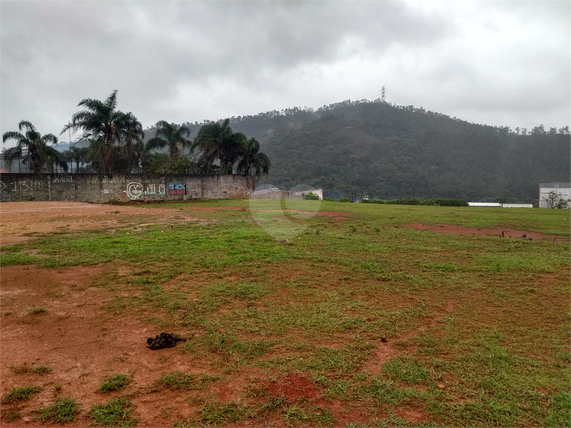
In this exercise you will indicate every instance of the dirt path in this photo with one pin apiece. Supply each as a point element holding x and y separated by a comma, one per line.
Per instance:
<point>21,221</point>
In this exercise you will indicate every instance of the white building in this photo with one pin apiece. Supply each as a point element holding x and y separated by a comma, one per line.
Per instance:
<point>563,190</point>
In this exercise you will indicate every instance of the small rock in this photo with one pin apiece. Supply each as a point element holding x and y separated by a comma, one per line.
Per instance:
<point>26,418</point>
<point>441,386</point>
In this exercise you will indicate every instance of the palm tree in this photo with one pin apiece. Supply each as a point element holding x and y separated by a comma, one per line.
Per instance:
<point>216,141</point>
<point>132,133</point>
<point>171,135</point>
<point>33,148</point>
<point>108,127</point>
<point>252,163</point>
<point>77,155</point>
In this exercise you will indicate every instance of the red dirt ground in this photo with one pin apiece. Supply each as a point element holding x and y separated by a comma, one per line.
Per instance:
<point>84,343</point>
<point>507,233</point>
<point>21,221</point>
<point>292,386</point>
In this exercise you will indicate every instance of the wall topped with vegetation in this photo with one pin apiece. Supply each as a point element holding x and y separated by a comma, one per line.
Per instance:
<point>101,188</point>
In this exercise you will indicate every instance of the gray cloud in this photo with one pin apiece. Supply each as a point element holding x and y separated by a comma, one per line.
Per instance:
<point>194,60</point>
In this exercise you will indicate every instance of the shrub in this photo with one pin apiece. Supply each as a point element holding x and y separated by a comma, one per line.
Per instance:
<point>344,200</point>
<point>428,202</point>
<point>311,197</point>
<point>454,202</point>
<point>413,201</point>
<point>329,199</point>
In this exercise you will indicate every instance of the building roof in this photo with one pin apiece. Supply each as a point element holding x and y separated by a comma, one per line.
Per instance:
<point>555,184</point>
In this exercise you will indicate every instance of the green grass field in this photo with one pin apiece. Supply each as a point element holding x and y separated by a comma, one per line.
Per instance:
<point>385,321</point>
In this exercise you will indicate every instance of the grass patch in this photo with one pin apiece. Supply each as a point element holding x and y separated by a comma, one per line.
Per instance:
<point>42,370</point>
<point>316,416</point>
<point>184,381</point>
<point>25,369</point>
<point>64,410</point>
<point>485,316</point>
<point>19,394</point>
<point>114,383</point>
<point>406,369</point>
<point>37,311</point>
<point>223,413</point>
<point>117,412</point>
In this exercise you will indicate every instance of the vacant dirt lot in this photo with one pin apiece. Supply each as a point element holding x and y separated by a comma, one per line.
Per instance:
<point>20,221</point>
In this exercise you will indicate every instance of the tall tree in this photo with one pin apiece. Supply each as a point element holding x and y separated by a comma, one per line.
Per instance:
<point>77,155</point>
<point>217,141</point>
<point>33,148</point>
<point>172,136</point>
<point>132,134</point>
<point>108,128</point>
<point>252,162</point>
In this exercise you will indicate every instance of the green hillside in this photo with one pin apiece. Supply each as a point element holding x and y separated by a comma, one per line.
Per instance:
<point>387,151</point>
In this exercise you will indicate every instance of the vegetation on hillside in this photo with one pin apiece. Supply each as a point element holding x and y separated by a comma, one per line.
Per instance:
<point>383,151</point>
<point>354,149</point>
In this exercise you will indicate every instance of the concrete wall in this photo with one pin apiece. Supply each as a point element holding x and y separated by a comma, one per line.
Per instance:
<point>100,188</point>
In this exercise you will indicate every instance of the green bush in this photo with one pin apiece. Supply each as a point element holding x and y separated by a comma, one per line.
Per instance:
<point>413,201</point>
<point>454,202</point>
<point>344,200</point>
<point>311,197</point>
<point>428,202</point>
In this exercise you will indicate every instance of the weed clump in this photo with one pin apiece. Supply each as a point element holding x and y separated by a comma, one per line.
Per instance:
<point>116,413</point>
<point>19,394</point>
<point>184,381</point>
<point>64,410</point>
<point>114,383</point>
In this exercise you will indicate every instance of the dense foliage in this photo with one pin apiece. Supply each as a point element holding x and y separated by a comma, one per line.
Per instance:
<point>384,151</point>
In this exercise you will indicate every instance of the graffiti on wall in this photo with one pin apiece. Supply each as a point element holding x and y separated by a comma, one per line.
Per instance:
<point>22,185</point>
<point>153,189</point>
<point>134,190</point>
<point>63,178</point>
<point>177,189</point>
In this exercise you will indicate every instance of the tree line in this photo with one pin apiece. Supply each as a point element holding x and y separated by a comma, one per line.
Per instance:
<point>116,144</point>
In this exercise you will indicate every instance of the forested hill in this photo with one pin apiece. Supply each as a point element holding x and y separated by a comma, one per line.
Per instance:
<point>386,151</point>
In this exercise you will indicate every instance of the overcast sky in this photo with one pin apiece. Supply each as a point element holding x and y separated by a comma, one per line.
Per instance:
<point>498,63</point>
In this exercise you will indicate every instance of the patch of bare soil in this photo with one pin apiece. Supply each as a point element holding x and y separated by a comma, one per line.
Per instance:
<point>21,221</point>
<point>291,387</point>
<point>193,208</point>
<point>503,232</point>
<point>83,344</point>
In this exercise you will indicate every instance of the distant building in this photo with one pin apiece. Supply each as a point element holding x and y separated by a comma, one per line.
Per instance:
<point>498,205</point>
<point>563,190</point>
<point>275,193</point>
<point>484,204</point>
